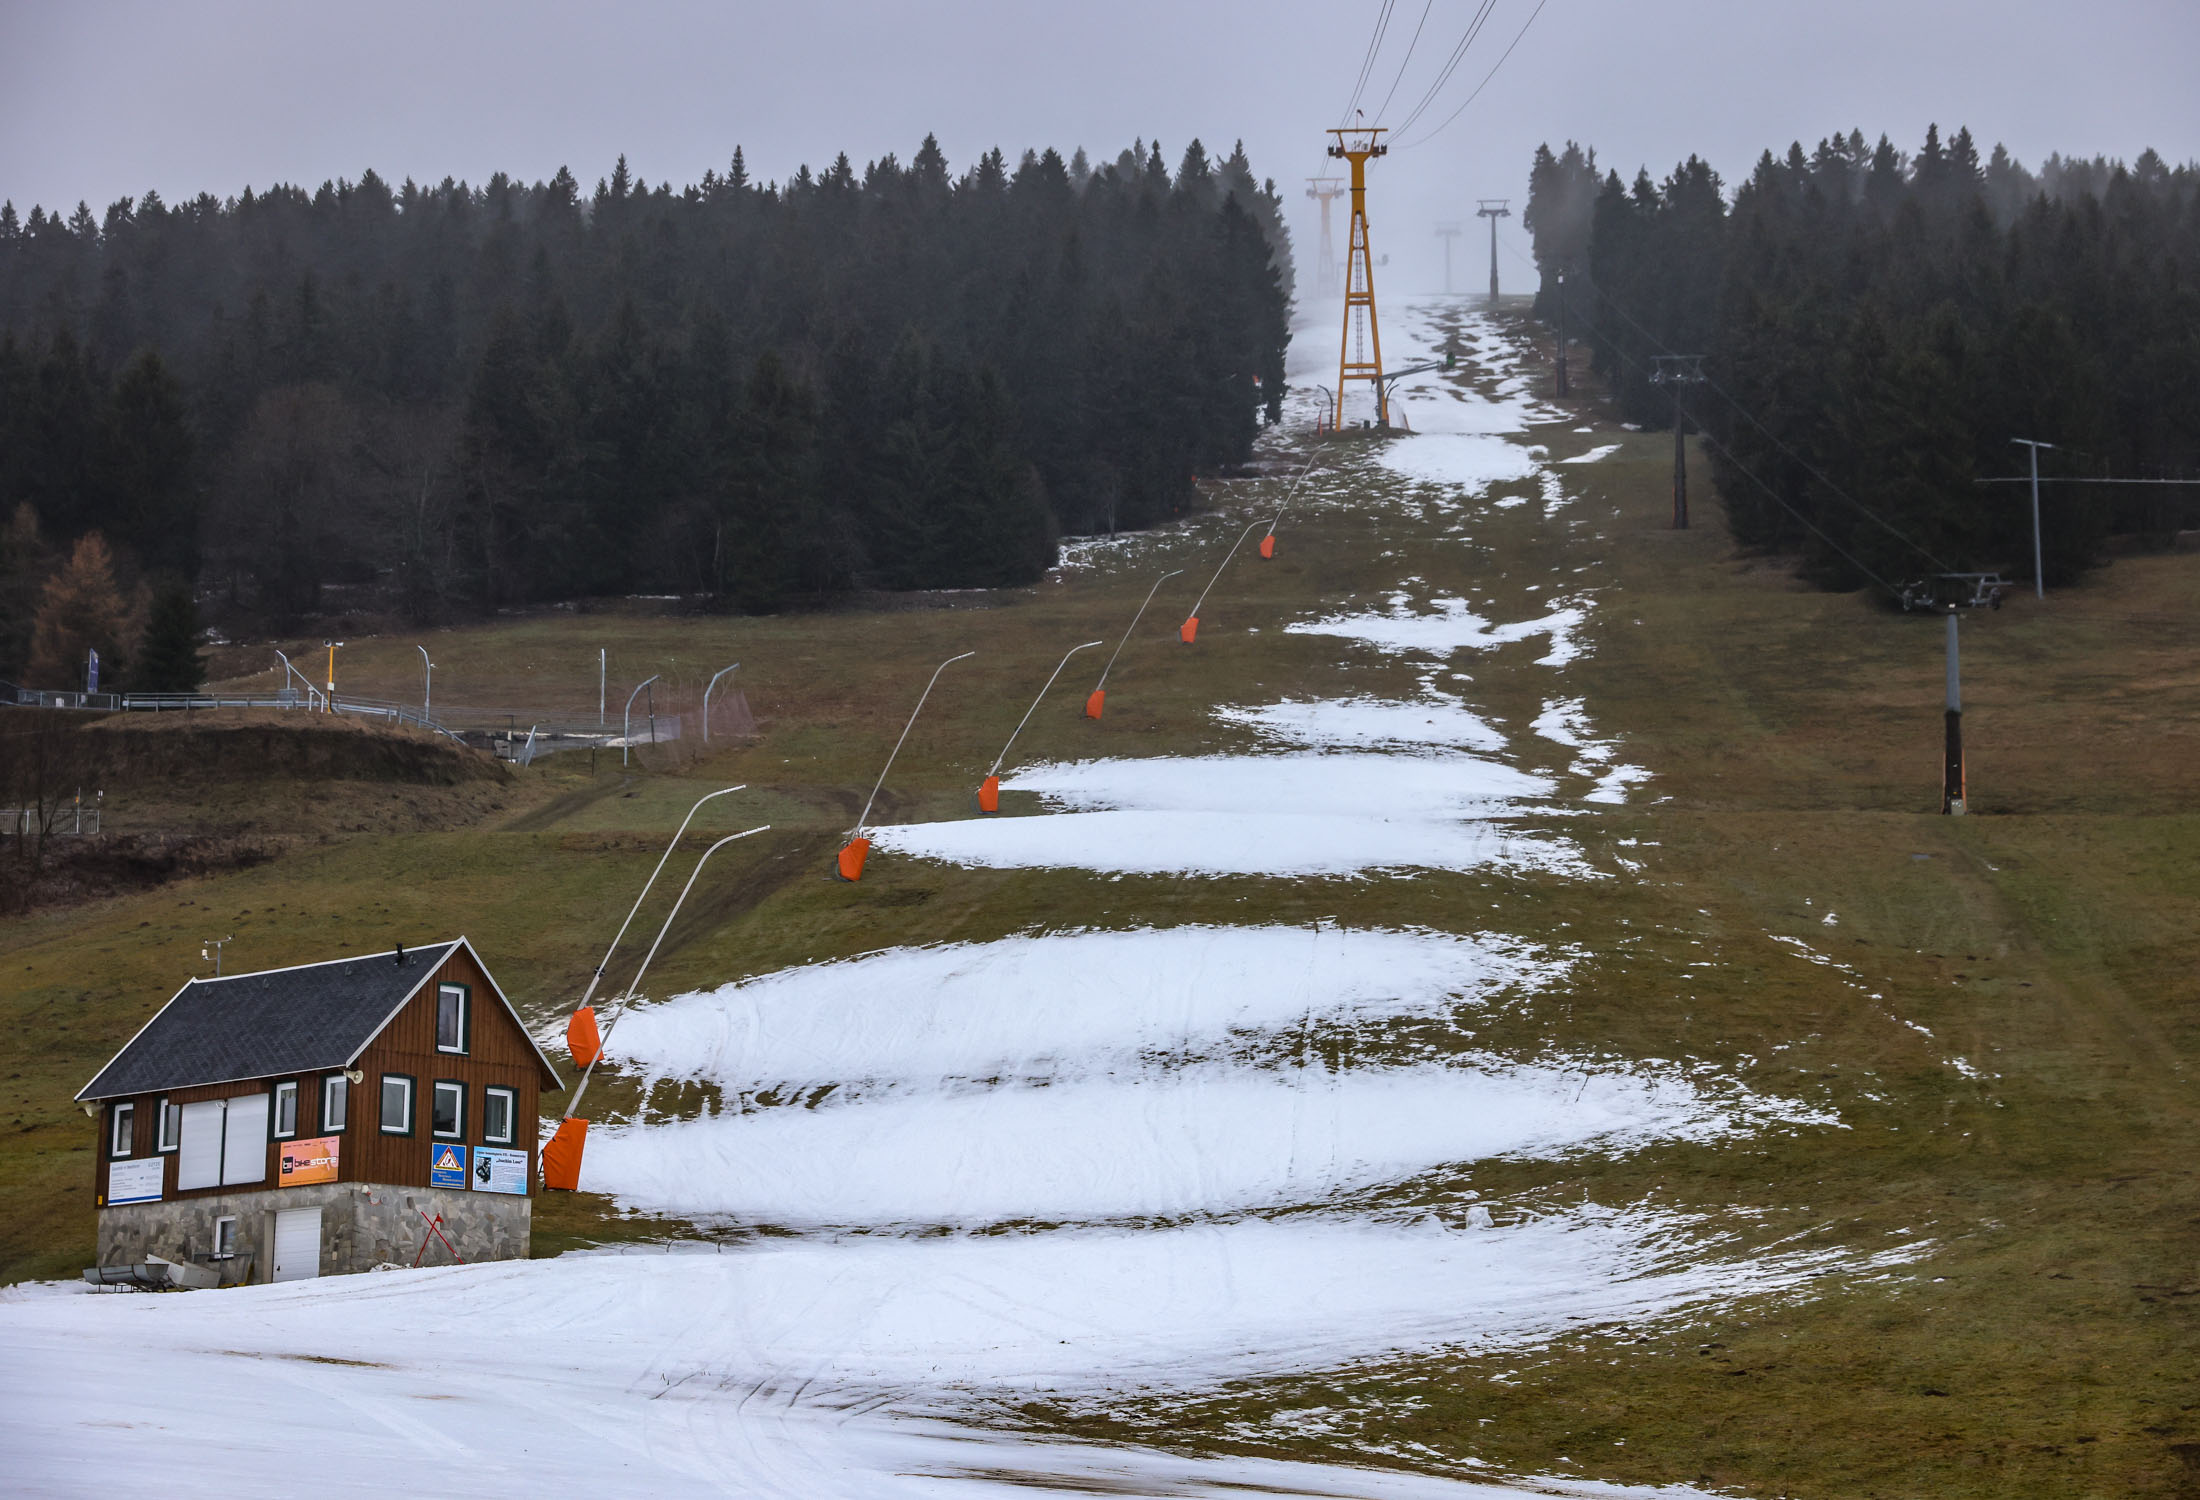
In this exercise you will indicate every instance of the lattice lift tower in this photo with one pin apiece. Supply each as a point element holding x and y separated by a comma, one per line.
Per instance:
<point>1356,144</point>
<point>1493,209</point>
<point>1325,191</point>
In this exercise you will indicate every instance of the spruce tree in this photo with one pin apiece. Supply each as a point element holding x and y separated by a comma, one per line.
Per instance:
<point>169,661</point>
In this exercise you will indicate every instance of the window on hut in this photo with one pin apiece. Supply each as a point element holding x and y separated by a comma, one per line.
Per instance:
<point>450,1018</point>
<point>498,1109</point>
<point>449,1111</point>
<point>397,1104</point>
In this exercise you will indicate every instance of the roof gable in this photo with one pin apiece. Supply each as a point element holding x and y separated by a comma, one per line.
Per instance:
<point>305,1019</point>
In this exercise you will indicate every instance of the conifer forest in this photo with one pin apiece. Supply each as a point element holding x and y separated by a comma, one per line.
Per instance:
<point>1878,326</point>
<point>458,398</point>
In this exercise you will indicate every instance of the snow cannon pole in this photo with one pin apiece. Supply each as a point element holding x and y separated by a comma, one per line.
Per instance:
<point>1190,627</point>
<point>561,1156</point>
<point>1099,696</point>
<point>850,863</point>
<point>1268,542</point>
<point>583,1032</point>
<point>989,792</point>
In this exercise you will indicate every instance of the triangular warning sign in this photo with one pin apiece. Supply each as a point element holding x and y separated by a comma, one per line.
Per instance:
<point>446,1160</point>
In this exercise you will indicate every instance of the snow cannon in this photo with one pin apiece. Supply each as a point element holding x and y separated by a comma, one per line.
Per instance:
<point>989,794</point>
<point>561,1156</point>
<point>1268,546</point>
<point>582,1038</point>
<point>852,857</point>
<point>1189,630</point>
<point>1096,702</point>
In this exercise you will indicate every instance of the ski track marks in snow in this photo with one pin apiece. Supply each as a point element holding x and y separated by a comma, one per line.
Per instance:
<point>811,1369</point>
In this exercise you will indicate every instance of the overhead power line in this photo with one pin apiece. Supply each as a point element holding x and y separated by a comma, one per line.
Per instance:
<point>1451,63</point>
<point>1485,83</point>
<point>1374,45</point>
<point>1401,78</point>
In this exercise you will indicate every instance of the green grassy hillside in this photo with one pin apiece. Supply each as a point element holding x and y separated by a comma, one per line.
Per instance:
<point>1781,900</point>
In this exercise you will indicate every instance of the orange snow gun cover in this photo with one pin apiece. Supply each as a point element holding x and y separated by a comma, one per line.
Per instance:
<point>989,794</point>
<point>561,1158</point>
<point>1189,629</point>
<point>852,857</point>
<point>581,1037</point>
<point>1268,545</point>
<point>1096,702</point>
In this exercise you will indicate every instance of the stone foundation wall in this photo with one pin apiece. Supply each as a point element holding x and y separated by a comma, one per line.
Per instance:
<point>363,1225</point>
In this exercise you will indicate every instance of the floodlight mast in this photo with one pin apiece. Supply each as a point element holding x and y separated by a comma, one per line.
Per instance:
<point>1355,144</point>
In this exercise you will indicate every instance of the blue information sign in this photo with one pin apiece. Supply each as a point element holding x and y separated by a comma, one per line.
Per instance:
<point>446,1165</point>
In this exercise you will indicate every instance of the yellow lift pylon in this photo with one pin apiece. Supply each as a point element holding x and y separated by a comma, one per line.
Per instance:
<point>1356,144</point>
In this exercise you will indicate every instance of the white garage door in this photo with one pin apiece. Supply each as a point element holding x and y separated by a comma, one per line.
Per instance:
<point>297,1244</point>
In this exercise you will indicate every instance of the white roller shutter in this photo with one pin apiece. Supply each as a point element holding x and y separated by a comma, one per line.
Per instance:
<point>297,1244</point>
<point>199,1155</point>
<point>244,1141</point>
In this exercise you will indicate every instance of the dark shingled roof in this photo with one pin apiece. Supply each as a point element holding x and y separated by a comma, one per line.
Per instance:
<point>314,1017</point>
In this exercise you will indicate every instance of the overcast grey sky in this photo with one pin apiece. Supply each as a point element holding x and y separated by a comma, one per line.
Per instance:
<point>102,99</point>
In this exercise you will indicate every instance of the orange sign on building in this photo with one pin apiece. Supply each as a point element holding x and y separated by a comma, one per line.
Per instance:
<point>309,1161</point>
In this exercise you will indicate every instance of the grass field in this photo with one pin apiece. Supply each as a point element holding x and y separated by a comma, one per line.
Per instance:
<point>2003,1009</point>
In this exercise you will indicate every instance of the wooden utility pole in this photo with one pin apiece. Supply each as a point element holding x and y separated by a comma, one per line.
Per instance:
<point>1951,769</point>
<point>1493,209</point>
<point>1678,371</point>
<point>1562,389</point>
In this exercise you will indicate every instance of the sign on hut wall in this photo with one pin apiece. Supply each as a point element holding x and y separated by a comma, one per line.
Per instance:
<point>304,1162</point>
<point>135,1181</point>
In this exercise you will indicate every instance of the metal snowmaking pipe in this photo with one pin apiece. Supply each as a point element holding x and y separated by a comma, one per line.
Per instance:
<point>1268,542</point>
<point>1190,627</point>
<point>989,791</point>
<point>581,1038</point>
<point>1099,696</point>
<point>561,1158</point>
<point>853,852</point>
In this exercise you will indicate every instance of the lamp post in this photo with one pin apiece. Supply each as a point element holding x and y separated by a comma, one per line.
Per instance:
<point>713,687</point>
<point>427,690</point>
<point>626,723</point>
<point>312,692</point>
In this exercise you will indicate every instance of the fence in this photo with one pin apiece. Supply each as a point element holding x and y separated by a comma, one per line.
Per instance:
<point>65,821</point>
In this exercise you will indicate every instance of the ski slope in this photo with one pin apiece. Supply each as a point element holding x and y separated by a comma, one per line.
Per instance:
<point>1068,1166</point>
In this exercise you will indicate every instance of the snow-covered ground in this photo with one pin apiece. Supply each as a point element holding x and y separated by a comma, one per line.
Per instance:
<point>1066,1166</point>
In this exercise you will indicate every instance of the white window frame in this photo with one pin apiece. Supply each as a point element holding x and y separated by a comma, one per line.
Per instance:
<point>225,1238</point>
<point>405,1127</point>
<point>464,996</point>
<point>170,1134</point>
<point>511,1115</point>
<point>339,1085</point>
<point>287,1089</point>
<point>435,1094</point>
<point>121,1130</point>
